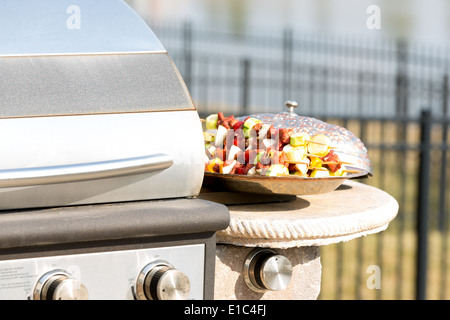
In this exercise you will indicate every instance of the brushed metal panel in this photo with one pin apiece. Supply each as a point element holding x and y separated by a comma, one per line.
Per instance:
<point>90,84</point>
<point>106,275</point>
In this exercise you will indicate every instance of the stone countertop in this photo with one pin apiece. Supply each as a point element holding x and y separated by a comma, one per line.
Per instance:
<point>351,211</point>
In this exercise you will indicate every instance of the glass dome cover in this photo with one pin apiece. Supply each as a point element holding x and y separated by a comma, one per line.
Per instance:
<point>345,144</point>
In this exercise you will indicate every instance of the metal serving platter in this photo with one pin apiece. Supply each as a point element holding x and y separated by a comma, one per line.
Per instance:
<point>347,146</point>
<point>300,186</point>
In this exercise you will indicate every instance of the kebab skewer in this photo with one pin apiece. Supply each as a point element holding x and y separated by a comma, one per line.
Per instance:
<point>251,147</point>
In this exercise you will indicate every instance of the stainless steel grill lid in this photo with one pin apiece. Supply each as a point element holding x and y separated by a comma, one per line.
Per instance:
<point>84,108</point>
<point>109,62</point>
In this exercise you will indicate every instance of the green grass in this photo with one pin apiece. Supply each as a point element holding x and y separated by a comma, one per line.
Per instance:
<point>344,265</point>
<point>397,268</point>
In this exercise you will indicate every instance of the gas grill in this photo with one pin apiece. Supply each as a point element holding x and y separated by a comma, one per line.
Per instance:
<point>102,160</point>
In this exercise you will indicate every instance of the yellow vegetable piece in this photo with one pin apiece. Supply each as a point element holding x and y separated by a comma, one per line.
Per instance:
<point>212,163</point>
<point>209,136</point>
<point>319,145</point>
<point>248,125</point>
<point>296,154</point>
<point>211,121</point>
<point>300,174</point>
<point>277,169</point>
<point>299,139</point>
<point>316,162</point>
<point>340,172</point>
<point>302,169</point>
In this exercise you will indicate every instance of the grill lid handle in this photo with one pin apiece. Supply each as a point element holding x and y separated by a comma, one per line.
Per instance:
<point>85,171</point>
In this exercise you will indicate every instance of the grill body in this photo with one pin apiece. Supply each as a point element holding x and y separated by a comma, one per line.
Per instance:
<point>101,159</point>
<point>106,246</point>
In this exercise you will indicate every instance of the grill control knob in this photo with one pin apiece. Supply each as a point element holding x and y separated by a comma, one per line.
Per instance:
<point>161,281</point>
<point>265,270</point>
<point>58,285</point>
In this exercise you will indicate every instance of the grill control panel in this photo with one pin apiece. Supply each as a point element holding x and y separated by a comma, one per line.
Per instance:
<point>148,274</point>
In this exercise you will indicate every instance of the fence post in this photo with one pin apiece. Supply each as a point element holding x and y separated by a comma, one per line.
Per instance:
<point>245,85</point>
<point>401,86</point>
<point>187,53</point>
<point>443,179</point>
<point>422,204</point>
<point>287,63</point>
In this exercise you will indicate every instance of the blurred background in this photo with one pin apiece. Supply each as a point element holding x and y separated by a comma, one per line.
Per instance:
<point>376,67</point>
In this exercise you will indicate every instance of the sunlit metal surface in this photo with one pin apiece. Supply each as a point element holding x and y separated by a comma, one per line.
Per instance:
<point>72,26</point>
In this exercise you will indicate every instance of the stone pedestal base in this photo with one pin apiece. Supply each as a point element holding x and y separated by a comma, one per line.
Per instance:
<point>230,284</point>
<point>296,229</point>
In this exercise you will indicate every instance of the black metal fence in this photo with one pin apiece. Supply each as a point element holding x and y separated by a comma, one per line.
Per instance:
<point>393,95</point>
